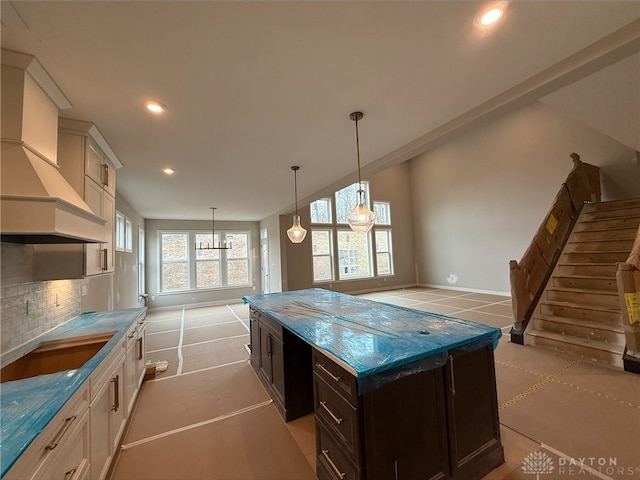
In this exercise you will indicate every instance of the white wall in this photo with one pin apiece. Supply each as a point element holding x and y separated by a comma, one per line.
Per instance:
<point>272,225</point>
<point>126,274</point>
<point>478,200</point>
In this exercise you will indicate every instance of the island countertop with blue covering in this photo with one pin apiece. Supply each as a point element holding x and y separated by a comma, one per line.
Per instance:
<point>370,338</point>
<point>28,405</point>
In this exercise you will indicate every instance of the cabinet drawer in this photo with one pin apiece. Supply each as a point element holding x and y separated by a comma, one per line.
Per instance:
<point>47,446</point>
<point>336,376</point>
<point>338,415</point>
<point>72,462</point>
<point>331,463</point>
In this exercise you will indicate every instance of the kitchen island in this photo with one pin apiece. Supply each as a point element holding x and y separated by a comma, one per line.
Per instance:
<point>397,393</point>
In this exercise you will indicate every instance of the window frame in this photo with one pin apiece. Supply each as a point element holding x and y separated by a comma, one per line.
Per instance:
<point>192,261</point>
<point>337,226</point>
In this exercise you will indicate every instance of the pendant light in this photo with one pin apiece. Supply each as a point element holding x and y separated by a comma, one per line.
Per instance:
<point>212,246</point>
<point>296,233</point>
<point>360,219</point>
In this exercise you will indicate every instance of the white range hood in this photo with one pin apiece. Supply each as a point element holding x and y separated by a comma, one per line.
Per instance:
<point>37,204</point>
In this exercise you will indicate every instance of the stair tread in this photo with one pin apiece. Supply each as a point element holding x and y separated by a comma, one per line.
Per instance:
<point>598,308</point>
<point>596,344</point>
<point>582,290</point>
<point>579,322</point>
<point>585,277</point>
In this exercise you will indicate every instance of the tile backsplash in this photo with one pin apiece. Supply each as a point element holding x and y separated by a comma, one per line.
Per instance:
<point>28,308</point>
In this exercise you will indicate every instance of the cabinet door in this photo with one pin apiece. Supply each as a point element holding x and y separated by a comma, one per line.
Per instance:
<point>93,164</point>
<point>131,369</point>
<point>141,357</point>
<point>255,340</point>
<point>108,417</point>
<point>472,414</point>
<point>93,194</point>
<point>109,214</point>
<point>100,442</point>
<point>277,368</point>
<point>405,430</point>
<point>265,352</point>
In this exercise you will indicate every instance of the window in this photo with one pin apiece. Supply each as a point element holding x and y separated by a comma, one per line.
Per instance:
<point>141,250</point>
<point>128,244</point>
<point>120,231</point>
<point>185,267</point>
<point>238,259</point>
<point>321,211</point>
<point>174,261</point>
<point>322,257</point>
<point>124,233</point>
<point>354,257</point>
<point>342,254</point>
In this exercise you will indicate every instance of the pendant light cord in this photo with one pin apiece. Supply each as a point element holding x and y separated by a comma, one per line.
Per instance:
<point>358,152</point>
<point>295,187</point>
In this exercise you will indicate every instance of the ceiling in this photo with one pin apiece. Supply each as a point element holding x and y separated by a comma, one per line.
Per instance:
<point>252,88</point>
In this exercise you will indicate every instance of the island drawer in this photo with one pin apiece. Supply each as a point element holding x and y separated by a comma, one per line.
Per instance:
<point>331,463</point>
<point>336,376</point>
<point>338,415</point>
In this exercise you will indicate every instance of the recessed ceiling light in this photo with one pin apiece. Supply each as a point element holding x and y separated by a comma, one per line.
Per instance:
<point>491,17</point>
<point>168,171</point>
<point>155,107</point>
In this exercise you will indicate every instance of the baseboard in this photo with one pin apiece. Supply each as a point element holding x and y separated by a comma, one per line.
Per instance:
<point>465,289</point>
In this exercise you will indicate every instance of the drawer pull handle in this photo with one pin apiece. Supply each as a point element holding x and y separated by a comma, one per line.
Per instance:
<point>67,424</point>
<point>325,454</point>
<point>140,349</point>
<point>116,393</point>
<point>324,369</point>
<point>69,475</point>
<point>335,419</point>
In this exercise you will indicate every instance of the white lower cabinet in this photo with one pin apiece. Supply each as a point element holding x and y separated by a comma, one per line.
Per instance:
<point>83,438</point>
<point>108,419</point>
<point>61,451</point>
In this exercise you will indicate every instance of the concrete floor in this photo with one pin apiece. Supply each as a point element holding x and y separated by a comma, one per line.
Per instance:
<point>208,417</point>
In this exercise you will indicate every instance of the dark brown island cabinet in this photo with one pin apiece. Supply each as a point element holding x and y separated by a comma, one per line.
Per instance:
<point>419,419</point>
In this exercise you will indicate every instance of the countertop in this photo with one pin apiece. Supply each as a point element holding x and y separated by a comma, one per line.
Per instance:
<point>28,405</point>
<point>375,341</point>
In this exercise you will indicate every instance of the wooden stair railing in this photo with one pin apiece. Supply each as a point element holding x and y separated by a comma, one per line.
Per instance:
<point>628,282</point>
<point>529,276</point>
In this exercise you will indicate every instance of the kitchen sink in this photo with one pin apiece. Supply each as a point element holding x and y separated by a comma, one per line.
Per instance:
<point>55,356</point>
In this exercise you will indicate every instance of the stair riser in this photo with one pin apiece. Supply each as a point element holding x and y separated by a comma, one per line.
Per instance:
<point>612,205</point>
<point>594,257</point>
<point>602,270</point>
<point>608,285</point>
<point>580,313</point>
<point>586,298</point>
<point>597,235</point>
<point>594,334</point>
<point>627,222</point>
<point>593,355</point>
<point>601,246</point>
<point>610,214</point>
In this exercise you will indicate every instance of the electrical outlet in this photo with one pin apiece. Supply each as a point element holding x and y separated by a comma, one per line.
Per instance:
<point>84,290</point>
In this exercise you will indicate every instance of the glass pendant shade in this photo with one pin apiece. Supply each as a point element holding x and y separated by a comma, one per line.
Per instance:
<point>296,233</point>
<point>361,219</point>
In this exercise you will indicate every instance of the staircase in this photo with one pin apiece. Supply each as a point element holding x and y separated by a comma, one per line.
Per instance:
<point>579,310</point>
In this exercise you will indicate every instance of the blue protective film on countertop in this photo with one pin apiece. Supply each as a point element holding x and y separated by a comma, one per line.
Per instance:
<point>372,337</point>
<point>27,406</point>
